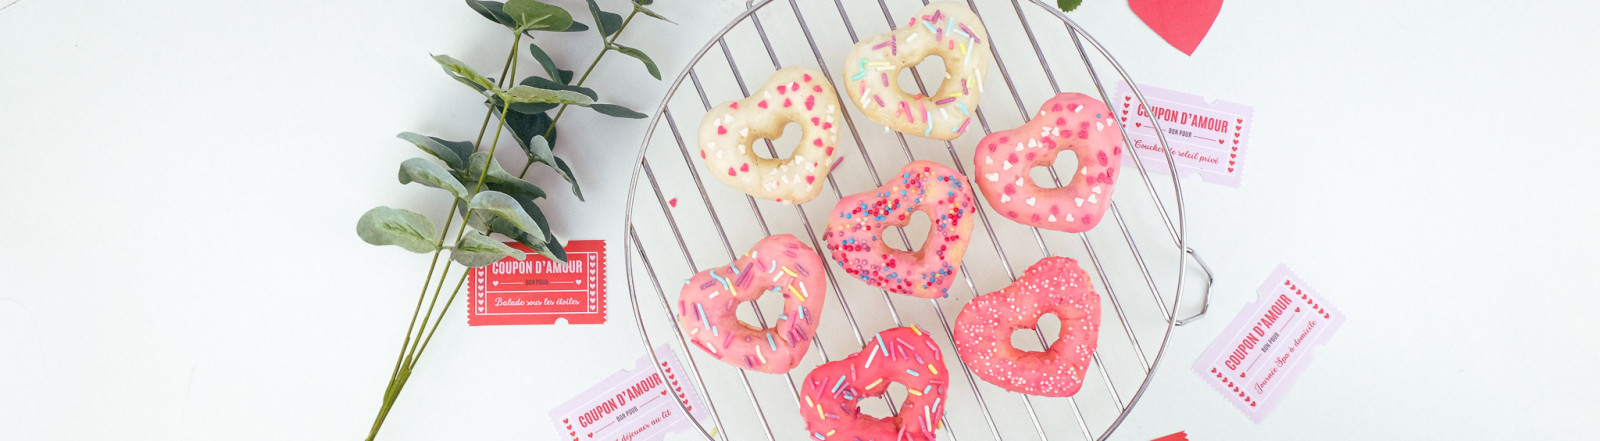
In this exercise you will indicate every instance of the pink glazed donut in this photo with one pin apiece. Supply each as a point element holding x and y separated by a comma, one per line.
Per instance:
<point>777,264</point>
<point>855,231</point>
<point>830,398</point>
<point>1070,121</point>
<point>1054,285</point>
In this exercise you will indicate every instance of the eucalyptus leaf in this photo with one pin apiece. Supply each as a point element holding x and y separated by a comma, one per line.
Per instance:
<point>530,94</point>
<point>543,243</point>
<point>505,207</point>
<point>431,174</point>
<point>539,148</point>
<point>608,22</point>
<point>463,73</point>
<point>392,226</point>
<point>524,108</point>
<point>477,249</point>
<point>638,54</point>
<point>549,65</point>
<point>617,111</point>
<point>577,26</point>
<point>566,172</point>
<point>494,11</point>
<point>646,11</point>
<point>545,83</point>
<point>534,15</point>
<point>525,126</point>
<point>499,179</point>
<point>1068,5</point>
<point>453,153</point>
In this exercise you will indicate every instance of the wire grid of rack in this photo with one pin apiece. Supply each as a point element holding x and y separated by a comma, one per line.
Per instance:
<point>713,224</point>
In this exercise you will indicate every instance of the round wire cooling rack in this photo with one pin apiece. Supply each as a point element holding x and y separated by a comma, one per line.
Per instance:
<point>693,225</point>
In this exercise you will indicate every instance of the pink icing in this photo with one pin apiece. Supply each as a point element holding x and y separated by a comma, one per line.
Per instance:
<point>777,264</point>
<point>1070,121</point>
<point>830,398</point>
<point>856,228</point>
<point>1054,285</point>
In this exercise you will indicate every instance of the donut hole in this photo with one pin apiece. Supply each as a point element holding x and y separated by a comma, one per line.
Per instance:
<point>786,141</point>
<point>915,231</point>
<point>771,305</point>
<point>932,72</point>
<point>1066,166</point>
<point>878,408</point>
<point>1025,339</point>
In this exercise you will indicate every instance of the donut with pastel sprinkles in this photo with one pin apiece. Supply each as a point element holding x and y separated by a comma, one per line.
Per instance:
<point>831,396</point>
<point>944,29</point>
<point>1070,121</point>
<point>1054,285</point>
<point>857,225</point>
<point>728,135</point>
<point>778,264</point>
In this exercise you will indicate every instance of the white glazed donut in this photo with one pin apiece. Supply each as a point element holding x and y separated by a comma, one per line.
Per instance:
<point>946,29</point>
<point>729,131</point>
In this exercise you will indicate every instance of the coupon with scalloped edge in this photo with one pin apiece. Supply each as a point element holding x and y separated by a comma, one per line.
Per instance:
<point>1208,139</point>
<point>1264,350</point>
<point>632,405</point>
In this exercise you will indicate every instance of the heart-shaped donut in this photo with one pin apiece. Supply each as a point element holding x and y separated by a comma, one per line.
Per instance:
<point>946,29</point>
<point>1054,285</point>
<point>830,398</point>
<point>778,264</point>
<point>729,131</point>
<point>1070,121</point>
<point>856,228</point>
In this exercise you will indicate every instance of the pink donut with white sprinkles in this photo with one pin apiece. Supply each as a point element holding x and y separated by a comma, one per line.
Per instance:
<point>855,231</point>
<point>1054,285</point>
<point>1070,121</point>
<point>831,396</point>
<point>778,264</point>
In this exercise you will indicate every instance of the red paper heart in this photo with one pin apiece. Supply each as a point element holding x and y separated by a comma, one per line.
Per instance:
<point>1183,23</point>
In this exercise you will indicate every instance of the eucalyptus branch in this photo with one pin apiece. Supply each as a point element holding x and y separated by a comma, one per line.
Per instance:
<point>596,62</point>
<point>512,201</point>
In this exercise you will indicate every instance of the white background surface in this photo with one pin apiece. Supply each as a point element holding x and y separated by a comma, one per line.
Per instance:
<point>180,180</point>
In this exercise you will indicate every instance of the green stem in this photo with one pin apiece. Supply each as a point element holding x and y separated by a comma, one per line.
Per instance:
<point>435,329</point>
<point>397,377</point>
<point>583,78</point>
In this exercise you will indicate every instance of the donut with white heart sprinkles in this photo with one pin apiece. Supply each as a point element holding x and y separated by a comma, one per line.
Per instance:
<point>1069,122</point>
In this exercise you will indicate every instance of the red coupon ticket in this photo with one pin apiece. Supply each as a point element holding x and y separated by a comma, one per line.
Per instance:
<point>1206,139</point>
<point>1261,354</point>
<point>539,291</point>
<point>632,405</point>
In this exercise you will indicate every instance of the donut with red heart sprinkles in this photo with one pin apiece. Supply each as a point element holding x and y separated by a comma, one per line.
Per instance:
<point>728,135</point>
<point>1054,285</point>
<point>1070,121</point>
<point>778,264</point>
<point>831,396</point>
<point>857,225</point>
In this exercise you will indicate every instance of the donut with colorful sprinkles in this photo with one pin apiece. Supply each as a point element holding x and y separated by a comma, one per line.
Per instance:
<point>946,29</point>
<point>1054,285</point>
<point>1070,121</point>
<point>856,228</point>
<point>778,264</point>
<point>729,131</point>
<point>830,398</point>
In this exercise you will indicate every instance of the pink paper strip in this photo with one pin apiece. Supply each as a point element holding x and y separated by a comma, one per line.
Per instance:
<point>1257,359</point>
<point>633,405</point>
<point>1208,139</point>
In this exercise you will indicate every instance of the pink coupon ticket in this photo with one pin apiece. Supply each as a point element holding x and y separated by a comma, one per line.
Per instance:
<point>1257,359</point>
<point>1206,139</point>
<point>631,405</point>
